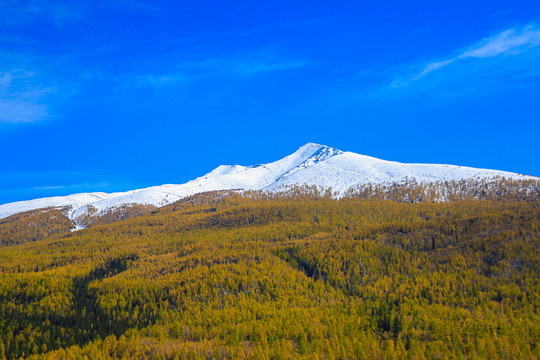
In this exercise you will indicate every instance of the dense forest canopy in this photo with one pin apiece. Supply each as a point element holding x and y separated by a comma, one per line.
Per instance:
<point>298,274</point>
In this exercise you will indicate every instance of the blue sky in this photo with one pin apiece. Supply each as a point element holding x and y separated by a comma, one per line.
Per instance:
<point>116,95</point>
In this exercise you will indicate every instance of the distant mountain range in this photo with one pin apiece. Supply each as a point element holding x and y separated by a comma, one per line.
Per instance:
<point>311,164</point>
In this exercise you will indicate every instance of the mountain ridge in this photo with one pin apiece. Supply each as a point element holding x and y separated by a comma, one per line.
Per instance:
<point>311,164</point>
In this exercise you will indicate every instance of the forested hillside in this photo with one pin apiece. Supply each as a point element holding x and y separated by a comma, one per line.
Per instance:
<point>38,224</point>
<point>284,276</point>
<point>33,225</point>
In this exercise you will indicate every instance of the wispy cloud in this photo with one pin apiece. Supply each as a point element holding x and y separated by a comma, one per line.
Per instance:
<point>159,79</point>
<point>53,187</point>
<point>25,12</point>
<point>511,41</point>
<point>137,6</point>
<point>21,98</point>
<point>60,13</point>
<point>506,61</point>
<point>434,66</point>
<point>20,185</point>
<point>241,66</point>
<point>248,67</point>
<point>92,186</point>
<point>10,193</point>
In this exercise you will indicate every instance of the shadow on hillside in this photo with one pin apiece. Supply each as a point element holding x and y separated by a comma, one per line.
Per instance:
<point>85,322</point>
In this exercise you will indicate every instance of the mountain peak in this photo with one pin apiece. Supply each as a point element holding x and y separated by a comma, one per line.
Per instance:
<point>311,145</point>
<point>314,146</point>
<point>310,150</point>
<point>312,164</point>
<point>309,155</point>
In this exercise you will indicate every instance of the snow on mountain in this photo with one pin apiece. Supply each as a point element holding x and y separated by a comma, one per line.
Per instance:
<point>73,201</point>
<point>312,164</point>
<point>349,169</point>
<point>224,177</point>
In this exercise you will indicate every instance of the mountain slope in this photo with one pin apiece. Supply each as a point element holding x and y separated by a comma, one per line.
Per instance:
<point>281,278</point>
<point>349,169</point>
<point>311,164</point>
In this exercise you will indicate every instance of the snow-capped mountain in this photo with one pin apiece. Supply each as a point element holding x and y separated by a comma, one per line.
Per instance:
<point>312,164</point>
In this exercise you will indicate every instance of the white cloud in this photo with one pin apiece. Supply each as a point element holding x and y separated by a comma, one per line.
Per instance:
<point>85,185</point>
<point>433,67</point>
<point>254,66</point>
<point>21,100</point>
<point>26,12</point>
<point>190,71</point>
<point>20,111</point>
<point>256,63</point>
<point>53,187</point>
<point>511,41</point>
<point>160,79</point>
